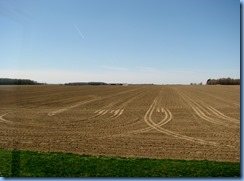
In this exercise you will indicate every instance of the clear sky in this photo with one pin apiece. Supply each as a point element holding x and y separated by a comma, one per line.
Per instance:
<point>133,41</point>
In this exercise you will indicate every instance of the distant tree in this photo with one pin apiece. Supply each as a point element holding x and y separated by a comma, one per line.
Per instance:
<point>85,83</point>
<point>223,81</point>
<point>7,81</point>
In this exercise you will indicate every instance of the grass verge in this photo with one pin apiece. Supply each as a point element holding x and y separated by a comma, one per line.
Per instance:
<point>39,164</point>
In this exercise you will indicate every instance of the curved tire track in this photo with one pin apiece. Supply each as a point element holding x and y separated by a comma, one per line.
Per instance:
<point>52,113</point>
<point>198,109</point>
<point>5,120</point>
<point>152,124</point>
<point>221,115</point>
<point>157,126</point>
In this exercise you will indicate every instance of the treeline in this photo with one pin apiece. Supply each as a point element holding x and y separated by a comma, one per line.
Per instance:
<point>7,81</point>
<point>223,81</point>
<point>86,83</point>
<point>91,83</point>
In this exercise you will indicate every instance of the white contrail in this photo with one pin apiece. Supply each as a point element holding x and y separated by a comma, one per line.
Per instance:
<point>77,28</point>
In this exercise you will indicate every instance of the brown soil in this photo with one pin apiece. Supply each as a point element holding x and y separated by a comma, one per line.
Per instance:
<point>177,122</point>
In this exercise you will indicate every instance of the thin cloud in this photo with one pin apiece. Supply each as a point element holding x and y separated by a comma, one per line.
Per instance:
<point>78,30</point>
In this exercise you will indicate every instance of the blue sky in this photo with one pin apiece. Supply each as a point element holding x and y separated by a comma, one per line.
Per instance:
<point>133,41</point>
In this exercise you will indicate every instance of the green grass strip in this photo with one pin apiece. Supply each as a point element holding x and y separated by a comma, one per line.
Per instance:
<point>39,164</point>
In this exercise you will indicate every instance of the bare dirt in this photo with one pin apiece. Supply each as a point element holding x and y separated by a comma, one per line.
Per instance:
<point>177,122</point>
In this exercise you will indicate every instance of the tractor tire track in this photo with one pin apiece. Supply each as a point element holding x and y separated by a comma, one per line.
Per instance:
<point>70,107</point>
<point>221,115</point>
<point>109,109</point>
<point>198,109</point>
<point>120,109</point>
<point>52,113</point>
<point>167,118</point>
<point>5,120</point>
<point>151,123</point>
<point>215,111</point>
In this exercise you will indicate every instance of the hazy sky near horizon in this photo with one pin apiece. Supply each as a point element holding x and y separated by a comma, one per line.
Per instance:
<point>133,41</point>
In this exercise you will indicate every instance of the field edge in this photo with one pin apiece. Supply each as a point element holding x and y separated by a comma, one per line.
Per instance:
<point>58,164</point>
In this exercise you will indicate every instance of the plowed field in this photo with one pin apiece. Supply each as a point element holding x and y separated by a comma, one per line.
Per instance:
<point>179,122</point>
